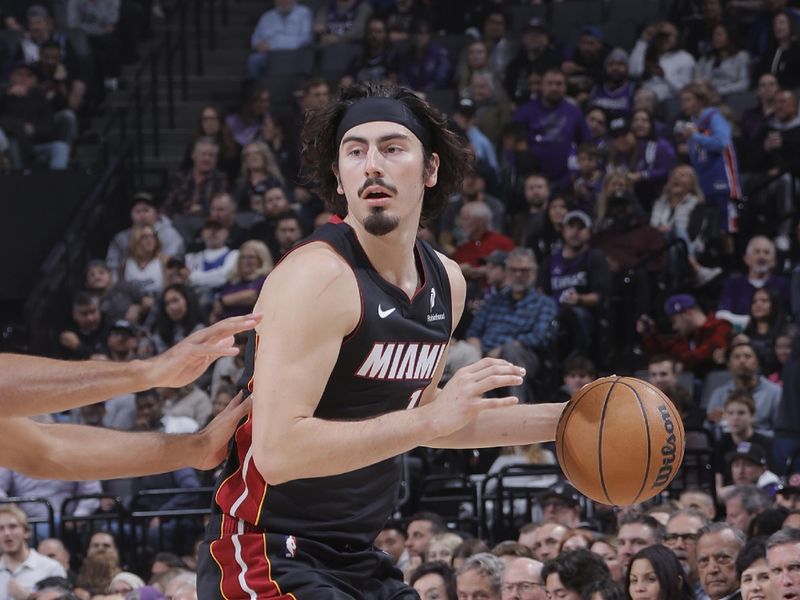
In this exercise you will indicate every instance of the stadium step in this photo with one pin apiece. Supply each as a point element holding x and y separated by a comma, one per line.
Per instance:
<point>220,83</point>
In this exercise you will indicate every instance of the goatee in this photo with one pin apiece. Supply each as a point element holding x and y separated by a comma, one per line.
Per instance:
<point>379,223</point>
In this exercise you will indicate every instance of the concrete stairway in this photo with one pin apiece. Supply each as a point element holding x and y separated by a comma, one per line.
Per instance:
<point>220,84</point>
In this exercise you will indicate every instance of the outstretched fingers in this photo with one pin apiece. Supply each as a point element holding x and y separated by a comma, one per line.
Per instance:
<point>226,328</point>
<point>493,382</point>
<point>492,403</point>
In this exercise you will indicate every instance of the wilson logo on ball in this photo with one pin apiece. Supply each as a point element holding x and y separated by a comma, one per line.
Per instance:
<point>668,450</point>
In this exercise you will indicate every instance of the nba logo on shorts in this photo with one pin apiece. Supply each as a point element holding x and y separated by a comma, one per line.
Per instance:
<point>433,297</point>
<point>291,546</point>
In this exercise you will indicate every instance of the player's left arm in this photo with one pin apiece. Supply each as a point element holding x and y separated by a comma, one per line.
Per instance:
<point>509,426</point>
<point>79,452</point>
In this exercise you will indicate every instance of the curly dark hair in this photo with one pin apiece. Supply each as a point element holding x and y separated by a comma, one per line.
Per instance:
<point>576,569</point>
<point>319,151</point>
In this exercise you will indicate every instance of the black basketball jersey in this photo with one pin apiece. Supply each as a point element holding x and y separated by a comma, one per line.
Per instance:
<point>383,365</point>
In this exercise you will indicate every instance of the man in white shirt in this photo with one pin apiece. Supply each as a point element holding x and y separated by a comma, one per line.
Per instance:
<point>288,26</point>
<point>21,567</point>
<point>150,415</point>
<point>209,268</point>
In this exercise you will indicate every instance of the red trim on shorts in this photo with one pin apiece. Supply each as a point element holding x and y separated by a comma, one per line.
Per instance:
<point>257,575</point>
<point>252,487</point>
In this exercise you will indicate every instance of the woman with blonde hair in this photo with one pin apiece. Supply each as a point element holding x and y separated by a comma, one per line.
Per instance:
<point>442,547</point>
<point>474,59</point>
<point>239,295</point>
<point>259,168</point>
<point>673,210</point>
<point>144,263</point>
<point>607,548</point>
<point>530,454</point>
<point>615,182</point>
<point>576,539</point>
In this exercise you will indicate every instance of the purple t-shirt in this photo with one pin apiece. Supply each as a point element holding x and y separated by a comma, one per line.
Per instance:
<point>553,133</point>
<point>737,293</point>
<point>229,288</point>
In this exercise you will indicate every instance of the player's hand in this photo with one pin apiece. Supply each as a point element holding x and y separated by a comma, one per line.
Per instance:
<point>214,437</point>
<point>462,399</point>
<point>187,360</point>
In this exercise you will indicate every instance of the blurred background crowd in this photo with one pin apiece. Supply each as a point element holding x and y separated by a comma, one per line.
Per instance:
<point>631,209</point>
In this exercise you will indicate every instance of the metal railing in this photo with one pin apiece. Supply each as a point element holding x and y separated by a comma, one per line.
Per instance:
<point>140,112</point>
<point>629,292</point>
<point>132,131</point>
<point>49,520</point>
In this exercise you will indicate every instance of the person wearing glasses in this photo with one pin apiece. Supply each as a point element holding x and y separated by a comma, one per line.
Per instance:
<point>681,538</point>
<point>718,544</point>
<point>522,580</point>
<point>513,324</point>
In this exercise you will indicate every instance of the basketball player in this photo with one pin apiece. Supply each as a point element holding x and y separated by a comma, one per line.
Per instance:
<point>31,385</point>
<point>356,324</point>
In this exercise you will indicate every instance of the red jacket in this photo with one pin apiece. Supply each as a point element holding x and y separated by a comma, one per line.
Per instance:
<point>695,352</point>
<point>473,252</point>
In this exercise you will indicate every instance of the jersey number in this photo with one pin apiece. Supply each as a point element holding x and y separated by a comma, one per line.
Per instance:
<point>413,400</point>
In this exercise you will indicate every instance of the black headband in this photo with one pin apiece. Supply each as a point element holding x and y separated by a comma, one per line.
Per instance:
<point>368,110</point>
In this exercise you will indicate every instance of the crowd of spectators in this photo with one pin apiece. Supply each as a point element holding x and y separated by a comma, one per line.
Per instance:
<point>625,213</point>
<point>58,61</point>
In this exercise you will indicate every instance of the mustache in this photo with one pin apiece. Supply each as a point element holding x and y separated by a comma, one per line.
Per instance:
<point>370,181</point>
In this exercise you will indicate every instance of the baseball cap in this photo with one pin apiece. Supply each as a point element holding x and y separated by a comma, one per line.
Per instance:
<point>749,451</point>
<point>565,492</point>
<point>678,303</point>
<point>578,215</point>
<point>619,126</point>
<point>790,485</point>
<point>123,326</point>
<point>496,257</point>
<point>37,10</point>
<point>535,24</point>
<point>617,55</point>
<point>592,31</point>
<point>466,106</point>
<point>176,261</point>
<point>96,262</point>
<point>144,198</point>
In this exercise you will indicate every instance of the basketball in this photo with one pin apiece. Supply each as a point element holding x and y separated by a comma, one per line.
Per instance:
<point>620,440</point>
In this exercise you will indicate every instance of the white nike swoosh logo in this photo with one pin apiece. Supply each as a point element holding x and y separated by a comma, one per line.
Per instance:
<point>385,313</point>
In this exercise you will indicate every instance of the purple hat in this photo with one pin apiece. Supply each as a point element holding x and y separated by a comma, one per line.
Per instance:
<point>678,303</point>
<point>147,592</point>
<point>593,31</point>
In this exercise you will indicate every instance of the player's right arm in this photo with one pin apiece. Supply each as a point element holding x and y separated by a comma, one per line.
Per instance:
<point>310,302</point>
<point>33,385</point>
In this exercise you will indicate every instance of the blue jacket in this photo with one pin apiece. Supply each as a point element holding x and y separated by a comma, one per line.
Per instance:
<point>713,157</point>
